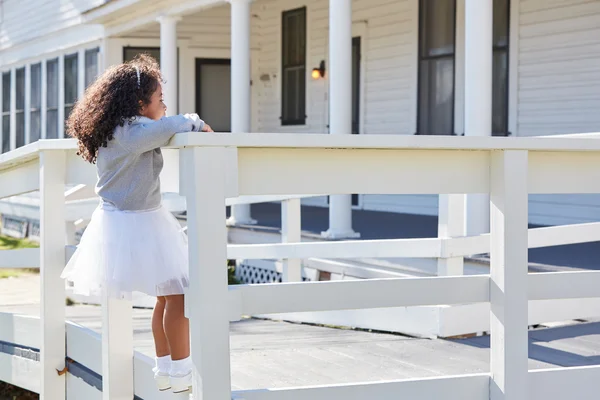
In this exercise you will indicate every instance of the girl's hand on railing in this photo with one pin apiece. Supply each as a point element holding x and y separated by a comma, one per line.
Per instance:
<point>207,128</point>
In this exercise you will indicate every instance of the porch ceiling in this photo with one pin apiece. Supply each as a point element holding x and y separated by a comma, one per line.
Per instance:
<point>123,17</point>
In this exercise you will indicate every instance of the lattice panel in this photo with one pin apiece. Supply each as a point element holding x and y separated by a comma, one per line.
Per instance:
<point>251,274</point>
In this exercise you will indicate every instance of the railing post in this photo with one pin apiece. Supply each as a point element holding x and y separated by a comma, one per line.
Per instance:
<point>291,231</point>
<point>451,223</point>
<point>205,190</point>
<point>52,261</point>
<point>117,349</point>
<point>508,275</point>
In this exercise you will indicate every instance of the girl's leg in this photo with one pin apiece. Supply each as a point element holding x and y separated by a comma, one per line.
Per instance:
<point>177,327</point>
<point>161,343</point>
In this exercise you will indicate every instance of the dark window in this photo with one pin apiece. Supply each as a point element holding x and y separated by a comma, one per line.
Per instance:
<point>70,83</point>
<point>129,53</point>
<point>91,66</point>
<point>52,99</point>
<point>356,85</point>
<point>6,111</point>
<point>500,68</point>
<point>436,67</point>
<point>293,59</point>
<point>35,116</point>
<point>20,107</point>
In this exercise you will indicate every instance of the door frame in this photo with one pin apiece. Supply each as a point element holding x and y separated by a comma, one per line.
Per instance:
<point>199,62</point>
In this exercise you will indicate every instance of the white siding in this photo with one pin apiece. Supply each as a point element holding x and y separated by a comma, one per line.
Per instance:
<point>30,19</point>
<point>559,88</point>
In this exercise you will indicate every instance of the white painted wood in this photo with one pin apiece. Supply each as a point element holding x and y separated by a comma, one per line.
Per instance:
<point>23,179</point>
<point>340,106</point>
<point>80,73</point>
<point>552,172</point>
<point>13,108</point>
<point>205,168</point>
<point>117,349</point>
<point>564,285</point>
<point>564,383</point>
<point>451,223</point>
<point>472,387</point>
<point>21,372</point>
<point>20,329</point>
<point>478,96</point>
<point>291,232</point>
<point>431,142</point>
<point>340,249</point>
<point>44,103</point>
<point>240,88</point>
<point>80,171</point>
<point>61,96</point>
<point>561,235</point>
<point>52,166</point>
<point>508,274</point>
<point>284,171</point>
<point>27,108</point>
<point>20,258</point>
<point>361,294</point>
<point>80,192</point>
<point>84,346</point>
<point>77,388</point>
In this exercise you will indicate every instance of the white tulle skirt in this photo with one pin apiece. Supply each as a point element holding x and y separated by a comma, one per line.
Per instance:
<point>124,252</point>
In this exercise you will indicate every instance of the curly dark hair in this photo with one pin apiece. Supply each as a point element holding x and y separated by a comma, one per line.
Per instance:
<point>112,100</point>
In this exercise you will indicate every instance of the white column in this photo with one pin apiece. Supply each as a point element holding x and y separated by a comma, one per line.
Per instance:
<point>168,60</point>
<point>478,96</point>
<point>61,96</point>
<point>291,232</point>
<point>451,224</point>
<point>508,276</point>
<point>52,262</point>
<point>13,109</point>
<point>44,103</point>
<point>340,103</point>
<point>240,88</point>
<point>168,67</point>
<point>27,109</point>
<point>207,297</point>
<point>117,349</point>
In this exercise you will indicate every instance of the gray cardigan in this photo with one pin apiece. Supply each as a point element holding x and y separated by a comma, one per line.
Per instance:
<point>129,167</point>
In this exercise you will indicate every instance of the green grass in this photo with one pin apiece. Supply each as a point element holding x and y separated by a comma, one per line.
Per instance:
<point>8,243</point>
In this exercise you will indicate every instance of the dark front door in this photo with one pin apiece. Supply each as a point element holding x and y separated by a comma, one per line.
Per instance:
<point>213,92</point>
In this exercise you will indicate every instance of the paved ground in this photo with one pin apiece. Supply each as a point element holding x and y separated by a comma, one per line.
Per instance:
<point>280,354</point>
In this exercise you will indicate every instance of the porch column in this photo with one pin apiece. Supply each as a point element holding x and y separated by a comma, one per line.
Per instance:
<point>478,96</point>
<point>168,60</point>
<point>340,106</point>
<point>240,88</point>
<point>168,66</point>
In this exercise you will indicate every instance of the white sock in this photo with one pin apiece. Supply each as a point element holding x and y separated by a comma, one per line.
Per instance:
<point>163,364</point>
<point>181,367</point>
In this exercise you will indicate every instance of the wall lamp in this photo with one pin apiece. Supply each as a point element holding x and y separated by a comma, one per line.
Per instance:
<point>320,71</point>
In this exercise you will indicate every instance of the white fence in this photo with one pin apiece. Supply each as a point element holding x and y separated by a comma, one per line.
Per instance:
<point>215,167</point>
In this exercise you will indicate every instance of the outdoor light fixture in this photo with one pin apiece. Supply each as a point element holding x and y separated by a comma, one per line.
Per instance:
<point>320,71</point>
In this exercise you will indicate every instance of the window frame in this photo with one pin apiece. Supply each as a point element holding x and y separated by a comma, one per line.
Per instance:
<point>35,108</point>
<point>301,120</point>
<point>6,104</point>
<point>506,50</point>
<point>68,104</point>
<point>20,112</point>
<point>53,61</point>
<point>93,53</point>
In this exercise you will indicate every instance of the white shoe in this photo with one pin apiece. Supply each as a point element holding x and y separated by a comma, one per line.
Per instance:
<point>180,384</point>
<point>163,381</point>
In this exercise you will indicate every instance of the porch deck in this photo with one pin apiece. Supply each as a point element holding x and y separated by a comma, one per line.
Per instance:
<point>279,354</point>
<point>374,225</point>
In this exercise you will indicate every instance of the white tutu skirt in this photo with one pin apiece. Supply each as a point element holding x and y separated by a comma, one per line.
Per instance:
<point>130,251</point>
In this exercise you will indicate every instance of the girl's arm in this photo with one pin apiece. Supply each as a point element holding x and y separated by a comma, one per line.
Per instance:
<point>142,137</point>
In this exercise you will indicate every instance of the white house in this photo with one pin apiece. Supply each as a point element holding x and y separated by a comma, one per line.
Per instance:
<point>404,66</point>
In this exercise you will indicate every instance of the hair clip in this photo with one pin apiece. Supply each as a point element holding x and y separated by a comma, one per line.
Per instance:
<point>137,70</point>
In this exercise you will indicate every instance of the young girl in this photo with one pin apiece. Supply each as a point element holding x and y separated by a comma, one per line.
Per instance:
<point>132,242</point>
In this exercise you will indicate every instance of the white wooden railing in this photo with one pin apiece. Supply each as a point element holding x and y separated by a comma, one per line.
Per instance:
<point>215,167</point>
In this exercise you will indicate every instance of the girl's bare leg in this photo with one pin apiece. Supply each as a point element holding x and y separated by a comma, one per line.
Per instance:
<point>177,327</point>
<point>161,343</point>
